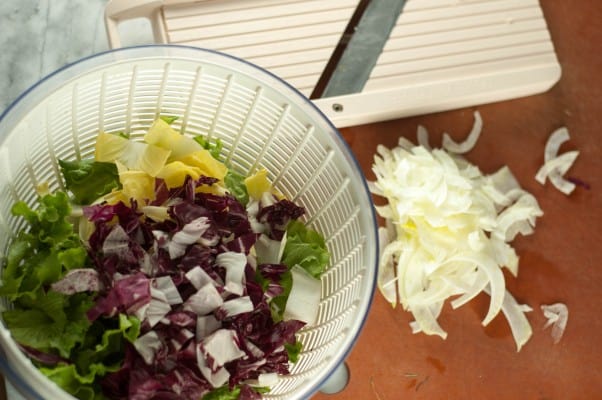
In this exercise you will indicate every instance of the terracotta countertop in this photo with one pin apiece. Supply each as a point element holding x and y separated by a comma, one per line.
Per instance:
<point>560,262</point>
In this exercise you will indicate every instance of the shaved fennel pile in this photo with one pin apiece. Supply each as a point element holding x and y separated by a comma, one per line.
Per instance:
<point>448,231</point>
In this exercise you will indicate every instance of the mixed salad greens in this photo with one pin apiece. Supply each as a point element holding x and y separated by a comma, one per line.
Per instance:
<point>161,273</point>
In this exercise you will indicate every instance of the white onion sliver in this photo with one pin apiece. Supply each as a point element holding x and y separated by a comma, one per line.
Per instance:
<point>469,142</point>
<point>557,315</point>
<point>555,166</point>
<point>495,278</point>
<point>426,320</point>
<point>562,184</point>
<point>556,139</point>
<point>473,291</point>
<point>515,315</point>
<point>504,180</point>
<point>561,164</point>
<point>422,137</point>
<point>404,143</point>
<point>386,274</point>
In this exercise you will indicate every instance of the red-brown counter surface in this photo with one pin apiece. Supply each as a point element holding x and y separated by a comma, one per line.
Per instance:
<point>560,262</point>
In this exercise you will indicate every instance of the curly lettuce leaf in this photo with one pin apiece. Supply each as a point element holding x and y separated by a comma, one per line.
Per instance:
<point>293,350</point>
<point>88,179</point>
<point>235,183</point>
<point>103,347</point>
<point>96,358</point>
<point>214,147</point>
<point>43,252</point>
<point>306,248</point>
<point>50,322</point>
<point>224,392</point>
<point>169,119</point>
<point>80,386</point>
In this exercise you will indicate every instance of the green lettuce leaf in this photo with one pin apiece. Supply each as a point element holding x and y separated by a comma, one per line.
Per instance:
<point>50,321</point>
<point>67,377</point>
<point>214,147</point>
<point>169,119</point>
<point>43,252</point>
<point>88,179</point>
<point>306,248</point>
<point>235,183</point>
<point>104,346</point>
<point>293,350</point>
<point>224,393</point>
<point>101,352</point>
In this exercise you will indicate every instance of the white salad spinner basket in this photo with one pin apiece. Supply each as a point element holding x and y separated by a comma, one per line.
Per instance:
<point>262,122</point>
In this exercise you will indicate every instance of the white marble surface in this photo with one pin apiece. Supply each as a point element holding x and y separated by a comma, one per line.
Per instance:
<point>39,36</point>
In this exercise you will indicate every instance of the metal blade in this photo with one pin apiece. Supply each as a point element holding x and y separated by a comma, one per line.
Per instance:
<point>360,56</point>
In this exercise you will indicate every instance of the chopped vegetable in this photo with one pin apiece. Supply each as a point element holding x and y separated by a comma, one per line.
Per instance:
<point>557,315</point>
<point>169,119</point>
<point>88,180</point>
<point>214,147</point>
<point>306,248</point>
<point>448,233</point>
<point>235,183</point>
<point>555,165</point>
<point>422,137</point>
<point>304,298</point>
<point>77,281</point>
<point>178,281</point>
<point>469,142</point>
<point>43,253</point>
<point>257,184</point>
<point>161,134</point>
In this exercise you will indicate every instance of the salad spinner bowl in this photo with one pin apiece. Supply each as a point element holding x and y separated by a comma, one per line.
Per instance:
<point>261,121</point>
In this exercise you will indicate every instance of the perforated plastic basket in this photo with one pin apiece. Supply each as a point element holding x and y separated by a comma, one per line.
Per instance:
<point>262,122</point>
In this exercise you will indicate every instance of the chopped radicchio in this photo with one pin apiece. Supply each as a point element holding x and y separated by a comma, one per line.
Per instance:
<point>78,280</point>
<point>127,295</point>
<point>191,280</point>
<point>278,215</point>
<point>42,357</point>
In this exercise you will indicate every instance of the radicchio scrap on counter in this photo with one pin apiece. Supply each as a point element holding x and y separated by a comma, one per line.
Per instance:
<point>205,321</point>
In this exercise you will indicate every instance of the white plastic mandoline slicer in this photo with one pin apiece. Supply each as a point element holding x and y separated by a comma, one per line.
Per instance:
<point>433,55</point>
